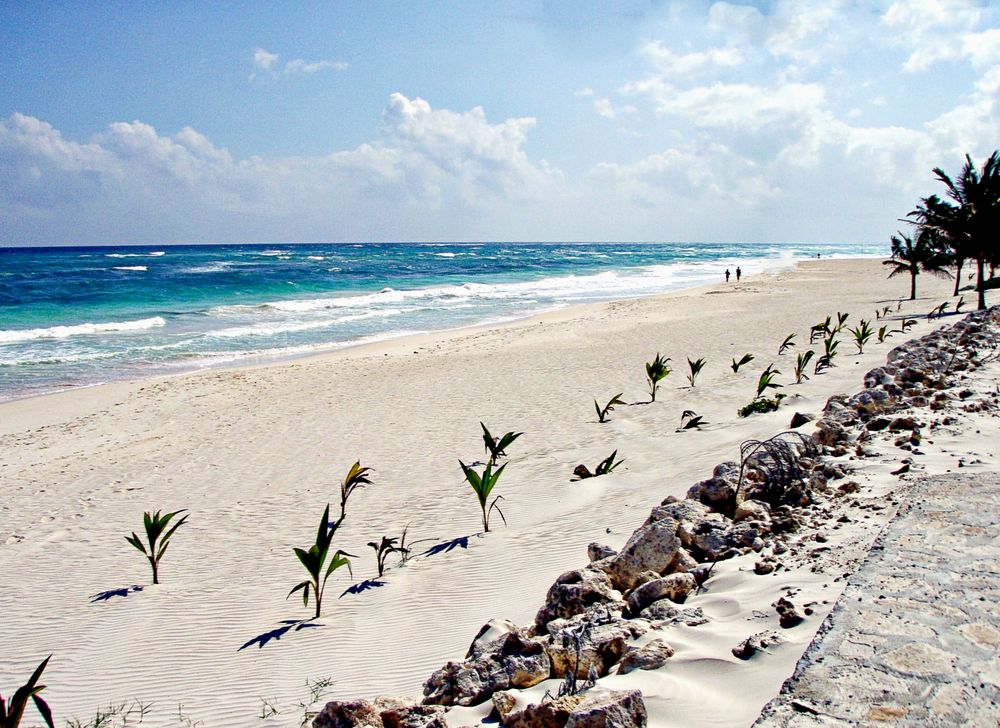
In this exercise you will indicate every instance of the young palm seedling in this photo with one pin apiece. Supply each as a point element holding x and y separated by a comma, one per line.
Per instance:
<point>385,547</point>
<point>786,344</point>
<point>656,371</point>
<point>696,366</point>
<point>906,324</point>
<point>603,468</point>
<point>938,311</point>
<point>10,715</point>
<point>830,345</point>
<point>801,362</point>
<point>841,320</point>
<point>483,486</point>
<point>315,560</point>
<point>746,359</point>
<point>819,330</point>
<point>357,477</point>
<point>691,420</point>
<point>766,380</point>
<point>883,334</point>
<point>862,333</point>
<point>495,446</point>
<point>158,536</point>
<point>961,302</point>
<point>602,412</point>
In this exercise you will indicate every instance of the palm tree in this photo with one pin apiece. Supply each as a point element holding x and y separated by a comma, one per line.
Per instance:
<point>943,217</point>
<point>911,256</point>
<point>977,199</point>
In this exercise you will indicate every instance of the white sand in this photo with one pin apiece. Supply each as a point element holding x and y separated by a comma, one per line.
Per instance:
<point>256,454</point>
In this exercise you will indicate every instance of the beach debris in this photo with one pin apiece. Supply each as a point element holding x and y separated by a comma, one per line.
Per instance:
<point>757,643</point>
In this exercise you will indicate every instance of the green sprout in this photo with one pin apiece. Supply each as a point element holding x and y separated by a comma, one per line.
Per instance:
<point>314,559</point>
<point>495,446</point>
<point>483,486</point>
<point>766,380</point>
<point>10,716</point>
<point>883,333</point>
<point>159,540</point>
<point>357,477</point>
<point>786,344</point>
<point>656,370</point>
<point>385,547</point>
<point>696,366</point>
<point>746,359</point>
<point>801,362</point>
<point>862,333</point>
<point>819,331</point>
<point>841,320</point>
<point>602,412</point>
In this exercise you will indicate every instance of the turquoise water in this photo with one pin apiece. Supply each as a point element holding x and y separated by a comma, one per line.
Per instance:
<point>75,316</point>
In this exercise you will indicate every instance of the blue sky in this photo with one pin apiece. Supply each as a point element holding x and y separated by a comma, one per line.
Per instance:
<point>263,122</point>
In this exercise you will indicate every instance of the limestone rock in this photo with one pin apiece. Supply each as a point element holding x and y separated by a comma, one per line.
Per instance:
<point>547,714</point>
<point>414,716</point>
<point>575,591</point>
<point>788,615</point>
<point>651,656</point>
<point>799,419</point>
<point>614,709</point>
<point>757,643</point>
<point>752,509</point>
<point>674,587</point>
<point>590,640</point>
<point>651,548</point>
<point>597,551</point>
<point>719,491</point>
<point>348,714</point>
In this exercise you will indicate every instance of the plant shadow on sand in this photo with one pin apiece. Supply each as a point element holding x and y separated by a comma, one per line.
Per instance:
<point>362,586</point>
<point>108,595</point>
<point>288,625</point>
<point>446,546</point>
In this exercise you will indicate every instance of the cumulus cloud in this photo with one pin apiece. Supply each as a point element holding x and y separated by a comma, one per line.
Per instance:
<point>429,169</point>
<point>269,63</point>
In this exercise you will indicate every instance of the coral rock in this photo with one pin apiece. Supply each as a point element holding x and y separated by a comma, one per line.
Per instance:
<point>650,656</point>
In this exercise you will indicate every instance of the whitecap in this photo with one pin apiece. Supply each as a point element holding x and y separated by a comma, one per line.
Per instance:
<point>62,332</point>
<point>131,267</point>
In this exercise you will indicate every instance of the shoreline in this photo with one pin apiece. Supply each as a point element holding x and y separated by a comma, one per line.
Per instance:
<point>240,360</point>
<point>256,452</point>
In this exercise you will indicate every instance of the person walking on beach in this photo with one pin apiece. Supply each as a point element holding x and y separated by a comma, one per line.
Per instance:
<point>727,275</point>
<point>738,274</point>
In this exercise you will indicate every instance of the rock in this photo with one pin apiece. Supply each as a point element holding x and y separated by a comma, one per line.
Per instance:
<point>488,634</point>
<point>651,656</point>
<point>684,510</point>
<point>710,540</point>
<point>414,716</point>
<point>548,714</point>
<point>590,640</point>
<point>675,587</point>
<point>683,562</point>
<point>504,703</point>
<point>763,567</point>
<point>702,572</point>
<point>348,714</point>
<point>575,591</point>
<point>597,551</point>
<point>614,709</point>
<point>662,609</point>
<point>877,423</point>
<point>788,615</point>
<point>799,419</point>
<point>903,423</point>
<point>719,491</point>
<point>651,548</point>
<point>752,509</point>
<point>757,643</point>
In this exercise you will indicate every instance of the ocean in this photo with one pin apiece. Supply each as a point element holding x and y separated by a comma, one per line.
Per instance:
<point>79,316</point>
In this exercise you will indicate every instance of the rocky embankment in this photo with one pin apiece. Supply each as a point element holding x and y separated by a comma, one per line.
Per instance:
<point>771,507</point>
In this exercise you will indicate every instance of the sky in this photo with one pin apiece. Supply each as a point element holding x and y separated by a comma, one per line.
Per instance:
<point>227,122</point>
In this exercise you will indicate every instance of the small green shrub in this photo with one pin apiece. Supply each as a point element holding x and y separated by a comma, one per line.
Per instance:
<point>760,404</point>
<point>746,359</point>
<point>883,333</point>
<point>314,559</point>
<point>155,525</point>
<point>10,715</point>
<point>483,486</point>
<point>696,366</point>
<point>602,412</point>
<point>656,371</point>
<point>786,344</point>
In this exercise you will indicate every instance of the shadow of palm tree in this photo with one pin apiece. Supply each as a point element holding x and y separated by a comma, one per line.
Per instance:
<point>446,546</point>
<point>276,634</point>
<point>105,596</point>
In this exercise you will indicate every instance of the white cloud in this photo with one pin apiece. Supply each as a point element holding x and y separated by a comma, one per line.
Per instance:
<point>264,60</point>
<point>297,65</point>
<point>933,29</point>
<point>608,110</point>
<point>267,62</point>
<point>584,92</point>
<point>431,170</point>
<point>686,65</point>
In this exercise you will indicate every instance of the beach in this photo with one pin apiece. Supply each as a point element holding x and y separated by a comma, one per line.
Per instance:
<point>255,454</point>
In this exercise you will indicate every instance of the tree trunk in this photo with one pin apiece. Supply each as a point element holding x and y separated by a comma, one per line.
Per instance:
<point>958,276</point>
<point>913,285</point>
<point>980,264</point>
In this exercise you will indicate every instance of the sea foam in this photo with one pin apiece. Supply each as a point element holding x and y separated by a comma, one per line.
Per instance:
<point>62,332</point>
